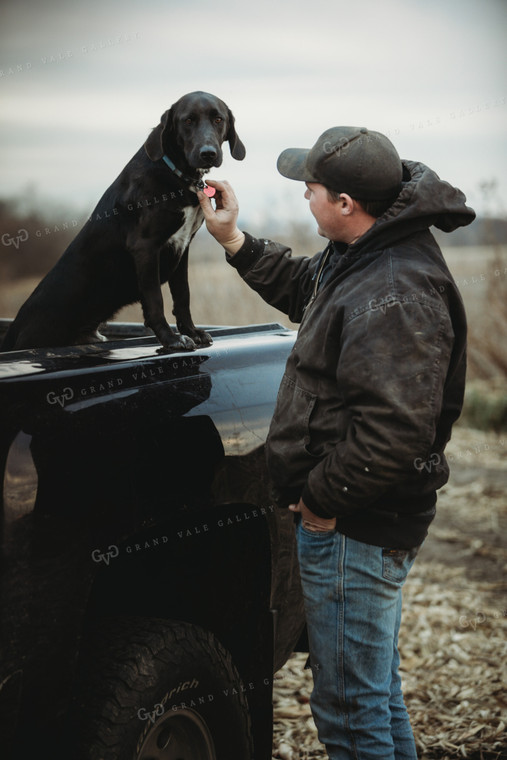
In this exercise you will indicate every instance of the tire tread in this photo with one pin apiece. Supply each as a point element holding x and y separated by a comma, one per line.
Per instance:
<point>120,661</point>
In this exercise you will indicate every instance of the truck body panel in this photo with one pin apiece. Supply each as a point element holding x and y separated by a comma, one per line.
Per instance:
<point>133,482</point>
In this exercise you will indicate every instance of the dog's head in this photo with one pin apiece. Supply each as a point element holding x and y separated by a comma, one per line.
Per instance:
<point>196,126</point>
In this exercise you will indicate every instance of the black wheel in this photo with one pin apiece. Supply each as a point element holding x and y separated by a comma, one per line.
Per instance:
<point>150,689</point>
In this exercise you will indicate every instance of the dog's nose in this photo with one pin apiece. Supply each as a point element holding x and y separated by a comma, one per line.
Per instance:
<point>208,153</point>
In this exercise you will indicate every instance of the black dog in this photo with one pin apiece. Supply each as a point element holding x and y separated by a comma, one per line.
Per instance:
<point>136,239</point>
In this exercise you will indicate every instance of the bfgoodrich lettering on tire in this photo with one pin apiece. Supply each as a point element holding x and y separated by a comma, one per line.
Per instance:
<point>153,689</point>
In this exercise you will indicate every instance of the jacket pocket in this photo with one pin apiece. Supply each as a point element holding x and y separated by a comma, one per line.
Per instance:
<point>294,407</point>
<point>289,435</point>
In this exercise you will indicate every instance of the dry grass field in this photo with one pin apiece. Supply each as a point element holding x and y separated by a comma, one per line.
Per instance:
<point>218,295</point>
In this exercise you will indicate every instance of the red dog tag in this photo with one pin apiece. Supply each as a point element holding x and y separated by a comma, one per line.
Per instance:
<point>209,191</point>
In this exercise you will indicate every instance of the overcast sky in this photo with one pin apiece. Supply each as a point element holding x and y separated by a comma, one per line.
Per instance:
<point>83,83</point>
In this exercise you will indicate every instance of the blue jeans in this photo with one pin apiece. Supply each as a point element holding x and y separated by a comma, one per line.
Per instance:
<point>352,594</point>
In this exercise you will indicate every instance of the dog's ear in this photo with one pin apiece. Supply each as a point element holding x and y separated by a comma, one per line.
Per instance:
<point>238,150</point>
<point>154,145</point>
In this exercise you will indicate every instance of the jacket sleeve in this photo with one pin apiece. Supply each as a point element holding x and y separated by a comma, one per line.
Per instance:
<point>391,374</point>
<point>281,279</point>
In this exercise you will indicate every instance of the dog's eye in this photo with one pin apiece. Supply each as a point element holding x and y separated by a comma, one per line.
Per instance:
<point>218,120</point>
<point>188,122</point>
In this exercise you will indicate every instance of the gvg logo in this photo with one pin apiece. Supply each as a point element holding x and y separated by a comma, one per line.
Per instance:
<point>66,395</point>
<point>429,464</point>
<point>337,147</point>
<point>15,240</point>
<point>382,304</point>
<point>111,553</point>
<point>157,711</point>
<point>472,622</point>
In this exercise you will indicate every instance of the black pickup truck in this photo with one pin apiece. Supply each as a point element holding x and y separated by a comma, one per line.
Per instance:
<point>149,589</point>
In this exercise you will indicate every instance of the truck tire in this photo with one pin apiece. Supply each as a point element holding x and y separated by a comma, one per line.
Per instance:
<point>152,689</point>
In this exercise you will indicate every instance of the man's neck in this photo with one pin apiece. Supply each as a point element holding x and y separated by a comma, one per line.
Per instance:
<point>360,228</point>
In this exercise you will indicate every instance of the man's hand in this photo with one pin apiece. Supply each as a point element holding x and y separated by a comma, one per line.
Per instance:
<point>311,521</point>
<point>221,221</point>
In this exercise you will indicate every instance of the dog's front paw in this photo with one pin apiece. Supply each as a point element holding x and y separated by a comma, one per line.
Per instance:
<point>200,337</point>
<point>178,343</point>
<point>186,343</point>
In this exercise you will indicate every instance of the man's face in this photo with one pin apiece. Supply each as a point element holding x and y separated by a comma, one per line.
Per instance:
<point>326,212</point>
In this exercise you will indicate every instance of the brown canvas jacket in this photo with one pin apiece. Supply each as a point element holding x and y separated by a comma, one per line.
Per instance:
<point>376,376</point>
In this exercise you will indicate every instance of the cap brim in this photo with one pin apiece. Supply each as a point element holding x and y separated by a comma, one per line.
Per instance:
<point>292,164</point>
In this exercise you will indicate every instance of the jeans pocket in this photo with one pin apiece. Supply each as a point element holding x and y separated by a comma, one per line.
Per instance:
<point>316,533</point>
<point>310,536</point>
<point>396,563</point>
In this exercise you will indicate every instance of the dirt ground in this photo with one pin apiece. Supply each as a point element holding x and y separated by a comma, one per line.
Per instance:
<point>453,639</point>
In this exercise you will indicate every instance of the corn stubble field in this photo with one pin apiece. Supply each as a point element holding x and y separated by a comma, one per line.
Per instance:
<point>453,635</point>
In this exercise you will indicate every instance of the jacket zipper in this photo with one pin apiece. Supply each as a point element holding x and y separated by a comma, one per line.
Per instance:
<point>317,277</point>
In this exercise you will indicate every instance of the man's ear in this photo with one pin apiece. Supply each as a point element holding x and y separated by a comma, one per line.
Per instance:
<point>347,204</point>
<point>238,150</point>
<point>154,145</point>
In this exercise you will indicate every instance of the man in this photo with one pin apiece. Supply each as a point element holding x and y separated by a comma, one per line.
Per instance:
<point>372,387</point>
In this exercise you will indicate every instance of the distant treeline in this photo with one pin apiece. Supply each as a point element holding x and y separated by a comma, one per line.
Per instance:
<point>483,231</point>
<point>33,239</point>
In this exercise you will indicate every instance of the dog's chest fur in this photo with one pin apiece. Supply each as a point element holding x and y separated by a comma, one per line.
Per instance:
<point>192,220</point>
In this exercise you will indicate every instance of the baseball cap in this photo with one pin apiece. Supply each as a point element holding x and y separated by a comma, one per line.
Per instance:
<point>353,160</point>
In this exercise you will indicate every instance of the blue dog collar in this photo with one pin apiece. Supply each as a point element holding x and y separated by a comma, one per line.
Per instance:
<point>199,183</point>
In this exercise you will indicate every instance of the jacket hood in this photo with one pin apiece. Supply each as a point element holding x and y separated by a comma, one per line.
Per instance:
<point>424,201</point>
